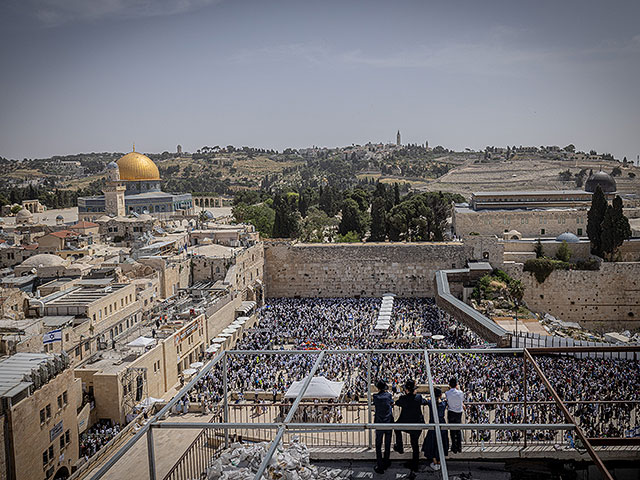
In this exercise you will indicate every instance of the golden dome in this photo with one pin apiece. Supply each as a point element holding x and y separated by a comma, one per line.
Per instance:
<point>136,166</point>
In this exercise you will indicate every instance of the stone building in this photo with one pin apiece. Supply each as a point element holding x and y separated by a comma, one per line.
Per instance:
<point>39,416</point>
<point>138,178</point>
<point>98,315</point>
<point>530,214</point>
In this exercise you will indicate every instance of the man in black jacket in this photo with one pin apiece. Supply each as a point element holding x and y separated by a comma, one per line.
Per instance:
<point>411,405</point>
<point>384,414</point>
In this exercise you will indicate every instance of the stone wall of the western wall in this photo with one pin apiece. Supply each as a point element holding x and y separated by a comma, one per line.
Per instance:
<point>351,269</point>
<point>603,300</point>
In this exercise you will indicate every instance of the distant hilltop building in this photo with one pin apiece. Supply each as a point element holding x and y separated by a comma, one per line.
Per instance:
<point>133,186</point>
<point>530,214</point>
<point>398,142</point>
<point>179,150</point>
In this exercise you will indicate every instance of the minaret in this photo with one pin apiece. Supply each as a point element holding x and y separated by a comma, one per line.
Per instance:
<point>114,192</point>
<point>398,142</point>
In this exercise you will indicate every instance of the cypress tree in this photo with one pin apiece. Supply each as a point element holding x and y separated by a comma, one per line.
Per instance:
<point>595,218</point>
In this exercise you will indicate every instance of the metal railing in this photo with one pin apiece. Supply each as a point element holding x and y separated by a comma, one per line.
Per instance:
<point>341,425</point>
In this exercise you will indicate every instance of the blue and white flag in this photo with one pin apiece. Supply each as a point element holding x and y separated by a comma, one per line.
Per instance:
<point>52,336</point>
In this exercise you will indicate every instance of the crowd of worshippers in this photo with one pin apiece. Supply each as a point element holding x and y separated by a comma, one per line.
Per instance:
<point>493,383</point>
<point>96,437</point>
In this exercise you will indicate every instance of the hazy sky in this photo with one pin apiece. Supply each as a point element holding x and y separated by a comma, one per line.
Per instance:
<point>97,75</point>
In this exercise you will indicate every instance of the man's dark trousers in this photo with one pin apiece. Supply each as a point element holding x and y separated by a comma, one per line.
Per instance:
<point>456,435</point>
<point>414,437</point>
<point>383,461</point>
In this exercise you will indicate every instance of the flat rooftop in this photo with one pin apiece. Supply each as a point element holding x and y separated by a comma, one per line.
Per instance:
<point>80,296</point>
<point>14,368</point>
<point>213,250</point>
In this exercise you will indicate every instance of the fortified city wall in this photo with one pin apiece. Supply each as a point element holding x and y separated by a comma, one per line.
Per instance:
<point>351,269</point>
<point>603,300</point>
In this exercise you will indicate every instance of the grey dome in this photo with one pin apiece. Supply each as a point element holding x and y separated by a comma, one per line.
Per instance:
<point>59,217</point>
<point>606,182</point>
<point>43,260</point>
<point>567,237</point>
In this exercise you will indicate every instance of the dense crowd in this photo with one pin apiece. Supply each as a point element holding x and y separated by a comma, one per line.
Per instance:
<point>96,437</point>
<point>493,383</point>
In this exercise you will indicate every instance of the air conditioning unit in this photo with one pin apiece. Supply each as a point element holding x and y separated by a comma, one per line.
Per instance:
<point>44,374</point>
<point>65,359</point>
<point>35,378</point>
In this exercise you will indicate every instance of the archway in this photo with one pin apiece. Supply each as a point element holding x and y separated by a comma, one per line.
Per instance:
<point>63,472</point>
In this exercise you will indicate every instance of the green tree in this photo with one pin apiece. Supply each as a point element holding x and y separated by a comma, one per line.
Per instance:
<point>349,237</point>
<point>564,252</point>
<point>538,249</point>
<point>353,219</point>
<point>378,220</point>
<point>316,226</point>
<point>261,216</point>
<point>615,228</point>
<point>595,216</point>
<point>287,221</point>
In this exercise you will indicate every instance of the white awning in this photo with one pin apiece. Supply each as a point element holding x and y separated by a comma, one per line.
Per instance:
<point>142,342</point>
<point>319,387</point>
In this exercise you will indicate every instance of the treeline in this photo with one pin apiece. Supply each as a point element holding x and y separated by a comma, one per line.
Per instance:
<point>328,214</point>
<point>51,197</point>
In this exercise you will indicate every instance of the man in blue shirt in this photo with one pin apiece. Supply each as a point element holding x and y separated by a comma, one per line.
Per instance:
<point>384,414</point>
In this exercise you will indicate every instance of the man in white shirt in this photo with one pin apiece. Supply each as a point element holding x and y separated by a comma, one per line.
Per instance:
<point>455,405</point>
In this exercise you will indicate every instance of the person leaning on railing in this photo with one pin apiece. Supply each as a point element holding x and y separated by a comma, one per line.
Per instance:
<point>455,405</point>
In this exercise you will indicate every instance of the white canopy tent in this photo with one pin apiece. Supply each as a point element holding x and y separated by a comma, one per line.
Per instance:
<point>148,402</point>
<point>142,342</point>
<point>319,387</point>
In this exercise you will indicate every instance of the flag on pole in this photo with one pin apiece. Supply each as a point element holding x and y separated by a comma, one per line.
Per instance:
<point>52,336</point>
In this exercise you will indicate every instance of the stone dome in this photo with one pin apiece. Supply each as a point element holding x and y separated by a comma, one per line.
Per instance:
<point>24,214</point>
<point>606,182</point>
<point>136,166</point>
<point>43,260</point>
<point>567,237</point>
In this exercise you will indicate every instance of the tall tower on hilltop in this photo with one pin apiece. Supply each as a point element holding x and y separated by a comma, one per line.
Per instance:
<point>114,192</point>
<point>398,142</point>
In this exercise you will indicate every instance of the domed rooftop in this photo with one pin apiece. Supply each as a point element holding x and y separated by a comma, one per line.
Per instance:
<point>59,217</point>
<point>43,260</point>
<point>136,166</point>
<point>24,214</point>
<point>606,182</point>
<point>567,237</point>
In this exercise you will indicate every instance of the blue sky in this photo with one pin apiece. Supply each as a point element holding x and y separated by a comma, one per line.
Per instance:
<point>97,75</point>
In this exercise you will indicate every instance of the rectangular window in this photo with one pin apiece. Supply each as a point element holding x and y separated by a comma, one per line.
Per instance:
<point>542,231</point>
<point>42,417</point>
<point>45,458</point>
<point>67,437</point>
<point>51,452</point>
<point>65,398</point>
<point>61,442</point>
<point>59,402</point>
<point>48,410</point>
<point>579,232</point>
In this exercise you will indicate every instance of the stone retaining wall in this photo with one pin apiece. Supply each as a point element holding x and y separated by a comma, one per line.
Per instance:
<point>364,269</point>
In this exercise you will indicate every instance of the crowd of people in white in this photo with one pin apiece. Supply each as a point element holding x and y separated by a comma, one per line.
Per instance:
<point>493,384</point>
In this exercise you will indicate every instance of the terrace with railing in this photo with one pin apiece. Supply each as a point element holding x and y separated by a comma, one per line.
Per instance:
<point>541,422</point>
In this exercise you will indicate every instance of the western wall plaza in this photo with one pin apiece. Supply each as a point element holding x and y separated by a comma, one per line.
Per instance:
<point>246,240</point>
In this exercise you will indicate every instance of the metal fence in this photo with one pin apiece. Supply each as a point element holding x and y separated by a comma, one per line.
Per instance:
<point>349,426</point>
